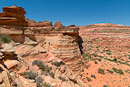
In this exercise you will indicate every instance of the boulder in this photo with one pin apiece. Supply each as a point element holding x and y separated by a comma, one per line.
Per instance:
<point>6,79</point>
<point>11,63</point>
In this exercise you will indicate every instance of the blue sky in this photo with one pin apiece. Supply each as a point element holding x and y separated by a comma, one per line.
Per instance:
<point>78,12</point>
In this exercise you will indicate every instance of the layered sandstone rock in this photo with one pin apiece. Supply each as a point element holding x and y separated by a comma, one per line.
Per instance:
<point>13,16</point>
<point>60,42</point>
<point>32,23</point>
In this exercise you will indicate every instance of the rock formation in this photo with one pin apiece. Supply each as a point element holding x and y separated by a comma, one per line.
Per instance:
<point>13,16</point>
<point>32,23</point>
<point>55,48</point>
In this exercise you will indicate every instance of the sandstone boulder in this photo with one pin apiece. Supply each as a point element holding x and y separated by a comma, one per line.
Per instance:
<point>11,63</point>
<point>6,79</point>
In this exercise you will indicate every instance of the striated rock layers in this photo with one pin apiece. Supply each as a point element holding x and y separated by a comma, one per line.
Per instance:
<point>13,16</point>
<point>32,23</point>
<point>61,41</point>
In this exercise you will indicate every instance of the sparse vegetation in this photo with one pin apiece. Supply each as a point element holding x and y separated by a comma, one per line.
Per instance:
<point>47,69</point>
<point>57,63</point>
<point>52,74</point>
<point>118,71</point>
<point>105,86</point>
<point>128,71</point>
<point>96,62</point>
<point>108,53</point>
<point>39,81</point>
<point>46,85</point>
<point>93,76</point>
<point>62,78</point>
<point>110,71</point>
<point>101,71</point>
<point>30,75</point>
<point>39,63</point>
<point>5,39</point>
<point>115,59</point>
<point>88,79</point>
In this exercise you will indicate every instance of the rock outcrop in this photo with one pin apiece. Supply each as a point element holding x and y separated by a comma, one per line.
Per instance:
<point>40,41</point>
<point>32,23</point>
<point>13,16</point>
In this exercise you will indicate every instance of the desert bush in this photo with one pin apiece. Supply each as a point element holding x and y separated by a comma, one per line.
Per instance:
<point>57,63</point>
<point>47,69</point>
<point>101,71</point>
<point>128,71</point>
<point>99,59</point>
<point>46,85</point>
<point>39,63</point>
<point>93,76</point>
<point>105,86</point>
<point>39,81</point>
<point>96,62</point>
<point>118,71</point>
<point>5,39</point>
<point>108,53</point>
<point>100,56</point>
<point>88,79</point>
<point>115,59</point>
<point>52,74</point>
<point>84,56</point>
<point>87,66</point>
<point>30,75</point>
<point>110,71</point>
<point>62,78</point>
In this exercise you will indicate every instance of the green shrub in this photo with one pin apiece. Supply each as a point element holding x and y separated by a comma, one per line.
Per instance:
<point>52,74</point>
<point>99,59</point>
<point>118,71</point>
<point>115,59</point>
<point>100,56</point>
<point>88,79</point>
<point>105,86</point>
<point>62,78</point>
<point>30,75</point>
<point>110,71</point>
<point>46,85</point>
<point>84,56</point>
<point>57,63</point>
<point>87,66</point>
<point>93,76</point>
<point>128,71</point>
<point>47,69</point>
<point>108,53</point>
<point>39,81</point>
<point>5,39</point>
<point>101,71</point>
<point>96,62</point>
<point>39,63</point>
<point>95,55</point>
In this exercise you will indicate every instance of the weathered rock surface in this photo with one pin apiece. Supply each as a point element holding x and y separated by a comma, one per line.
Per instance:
<point>40,41</point>
<point>13,16</point>
<point>6,79</point>
<point>11,63</point>
<point>32,23</point>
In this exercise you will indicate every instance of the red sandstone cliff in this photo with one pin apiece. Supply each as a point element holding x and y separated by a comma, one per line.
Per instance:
<point>13,16</point>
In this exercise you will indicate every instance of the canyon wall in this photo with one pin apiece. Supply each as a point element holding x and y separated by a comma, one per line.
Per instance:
<point>61,41</point>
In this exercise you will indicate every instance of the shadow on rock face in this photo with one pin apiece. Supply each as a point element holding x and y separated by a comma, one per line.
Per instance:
<point>80,41</point>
